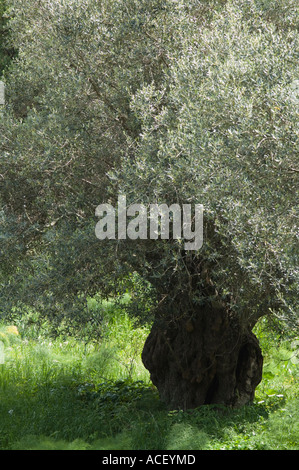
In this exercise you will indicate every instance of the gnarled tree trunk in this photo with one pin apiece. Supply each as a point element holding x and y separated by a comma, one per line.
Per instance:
<point>204,359</point>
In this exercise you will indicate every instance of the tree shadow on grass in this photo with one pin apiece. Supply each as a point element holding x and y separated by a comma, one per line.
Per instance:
<point>117,415</point>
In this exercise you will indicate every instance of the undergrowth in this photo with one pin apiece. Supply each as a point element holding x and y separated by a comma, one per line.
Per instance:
<point>73,394</point>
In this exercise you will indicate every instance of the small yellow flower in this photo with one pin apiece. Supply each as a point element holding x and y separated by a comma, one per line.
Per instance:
<point>12,330</point>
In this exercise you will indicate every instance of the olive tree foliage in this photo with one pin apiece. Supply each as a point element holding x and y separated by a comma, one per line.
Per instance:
<point>223,132</point>
<point>66,124</point>
<point>164,101</point>
<point>6,52</point>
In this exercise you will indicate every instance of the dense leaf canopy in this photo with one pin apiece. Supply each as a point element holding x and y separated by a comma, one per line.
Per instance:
<point>163,101</point>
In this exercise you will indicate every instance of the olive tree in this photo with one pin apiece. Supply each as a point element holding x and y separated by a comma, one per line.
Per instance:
<point>163,102</point>
<point>222,132</point>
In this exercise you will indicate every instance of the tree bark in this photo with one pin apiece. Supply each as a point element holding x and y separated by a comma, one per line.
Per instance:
<point>202,359</point>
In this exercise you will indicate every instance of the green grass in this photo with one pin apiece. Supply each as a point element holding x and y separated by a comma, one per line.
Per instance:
<point>73,394</point>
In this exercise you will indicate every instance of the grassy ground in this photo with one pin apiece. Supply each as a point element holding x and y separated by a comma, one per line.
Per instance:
<point>73,394</point>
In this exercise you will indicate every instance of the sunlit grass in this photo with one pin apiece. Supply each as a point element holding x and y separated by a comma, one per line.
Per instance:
<point>69,393</point>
